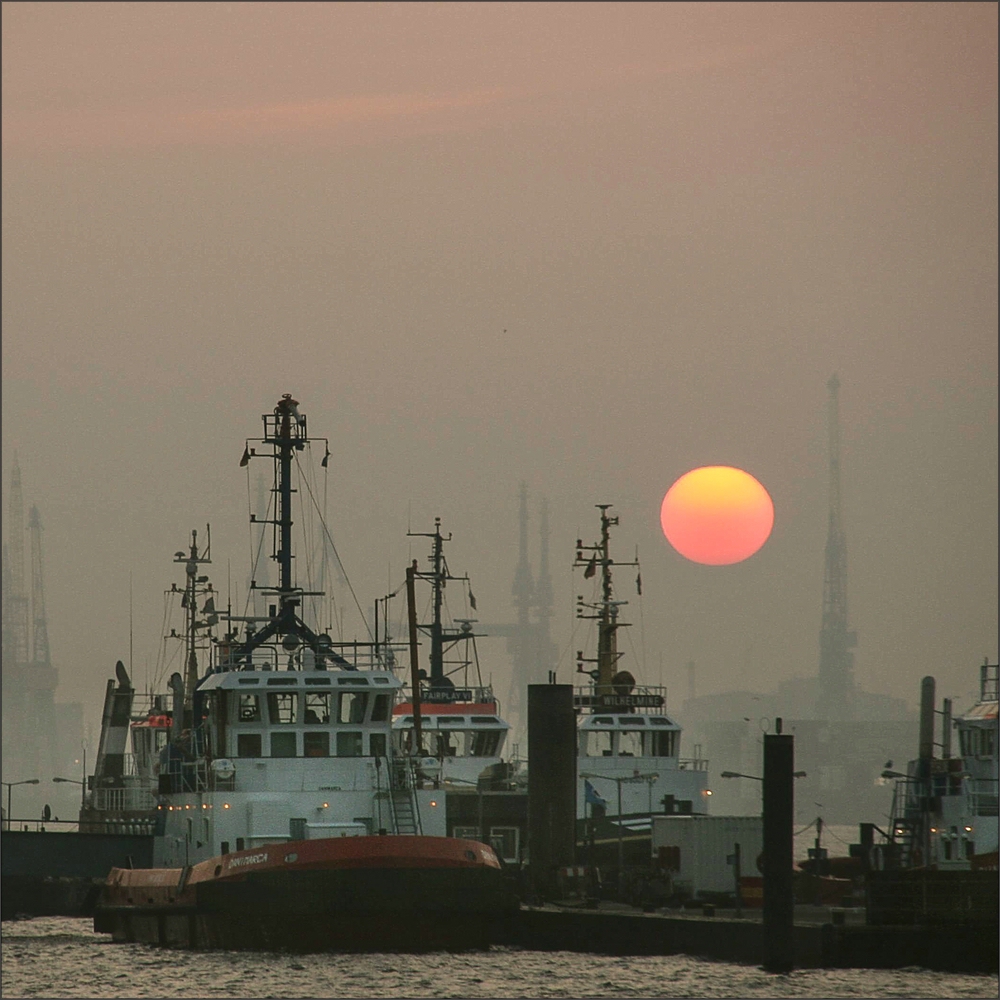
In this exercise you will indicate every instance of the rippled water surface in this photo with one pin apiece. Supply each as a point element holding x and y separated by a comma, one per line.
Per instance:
<point>63,957</point>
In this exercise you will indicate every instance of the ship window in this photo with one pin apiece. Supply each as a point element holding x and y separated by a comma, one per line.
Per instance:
<point>599,744</point>
<point>318,680</point>
<point>248,745</point>
<point>465,832</point>
<point>352,680</point>
<point>249,680</point>
<point>445,744</point>
<point>630,745</point>
<point>376,745</point>
<point>504,841</point>
<point>380,680</point>
<point>485,720</point>
<point>380,708</point>
<point>987,747</point>
<point>485,744</point>
<point>604,720</point>
<point>660,744</point>
<point>315,744</point>
<point>659,721</point>
<point>458,720</point>
<point>349,744</point>
<point>281,707</point>
<point>249,708</point>
<point>317,708</point>
<point>352,708</point>
<point>282,681</point>
<point>282,744</point>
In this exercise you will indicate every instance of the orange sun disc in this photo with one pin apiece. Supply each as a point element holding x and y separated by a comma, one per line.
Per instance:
<point>717,515</point>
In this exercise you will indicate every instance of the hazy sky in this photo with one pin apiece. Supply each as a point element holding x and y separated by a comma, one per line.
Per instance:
<point>587,246</point>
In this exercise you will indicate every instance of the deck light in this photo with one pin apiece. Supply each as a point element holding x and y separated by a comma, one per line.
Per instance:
<point>433,802</point>
<point>225,805</point>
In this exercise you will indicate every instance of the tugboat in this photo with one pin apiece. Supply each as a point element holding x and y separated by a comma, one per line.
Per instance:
<point>944,810</point>
<point>287,818</point>
<point>628,754</point>
<point>456,729</point>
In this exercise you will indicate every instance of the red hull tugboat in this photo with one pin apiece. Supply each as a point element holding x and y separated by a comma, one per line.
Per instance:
<point>287,817</point>
<point>391,893</point>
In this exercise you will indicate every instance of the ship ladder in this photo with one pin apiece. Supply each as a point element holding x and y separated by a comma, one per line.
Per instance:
<point>907,846</point>
<point>402,798</point>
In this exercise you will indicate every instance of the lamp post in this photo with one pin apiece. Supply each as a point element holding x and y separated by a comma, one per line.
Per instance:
<point>10,785</point>
<point>83,788</point>
<point>619,781</point>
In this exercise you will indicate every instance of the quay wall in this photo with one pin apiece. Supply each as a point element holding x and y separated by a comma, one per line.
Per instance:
<point>948,948</point>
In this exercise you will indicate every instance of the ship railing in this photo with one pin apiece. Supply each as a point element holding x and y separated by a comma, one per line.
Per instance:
<point>128,799</point>
<point>179,775</point>
<point>692,764</point>
<point>983,796</point>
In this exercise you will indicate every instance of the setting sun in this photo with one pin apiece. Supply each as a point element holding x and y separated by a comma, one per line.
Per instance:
<point>717,515</point>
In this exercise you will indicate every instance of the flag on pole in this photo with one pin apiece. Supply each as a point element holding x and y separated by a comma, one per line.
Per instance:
<point>591,796</point>
<point>245,460</point>
<point>591,568</point>
<point>472,599</point>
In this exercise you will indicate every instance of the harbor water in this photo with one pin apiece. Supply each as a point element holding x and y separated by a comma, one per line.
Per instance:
<point>63,957</point>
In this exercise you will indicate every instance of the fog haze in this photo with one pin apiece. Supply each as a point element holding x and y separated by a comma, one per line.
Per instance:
<point>587,247</point>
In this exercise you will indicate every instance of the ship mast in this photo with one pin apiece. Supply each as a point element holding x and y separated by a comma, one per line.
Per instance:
<point>192,560</point>
<point>285,431</point>
<point>606,609</point>
<point>439,577</point>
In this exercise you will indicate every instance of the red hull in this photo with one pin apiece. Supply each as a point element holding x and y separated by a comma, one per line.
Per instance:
<point>337,894</point>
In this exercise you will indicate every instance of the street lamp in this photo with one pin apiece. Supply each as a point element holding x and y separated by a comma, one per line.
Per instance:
<point>83,788</point>
<point>10,785</point>
<point>619,781</point>
<point>753,777</point>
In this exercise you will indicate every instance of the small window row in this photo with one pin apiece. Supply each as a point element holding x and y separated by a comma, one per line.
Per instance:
<point>347,743</point>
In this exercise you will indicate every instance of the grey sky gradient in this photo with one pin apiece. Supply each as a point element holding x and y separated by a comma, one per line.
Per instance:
<point>590,246</point>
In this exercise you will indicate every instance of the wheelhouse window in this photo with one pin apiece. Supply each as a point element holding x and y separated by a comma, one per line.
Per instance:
<point>352,707</point>
<point>317,708</point>
<point>376,745</point>
<point>283,744</point>
<point>380,708</point>
<point>248,745</point>
<point>249,710</point>
<point>484,744</point>
<point>599,743</point>
<point>349,744</point>
<point>316,744</point>
<point>661,744</point>
<point>281,707</point>
<point>630,744</point>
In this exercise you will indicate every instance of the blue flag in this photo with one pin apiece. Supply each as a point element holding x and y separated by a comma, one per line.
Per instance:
<point>591,796</point>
